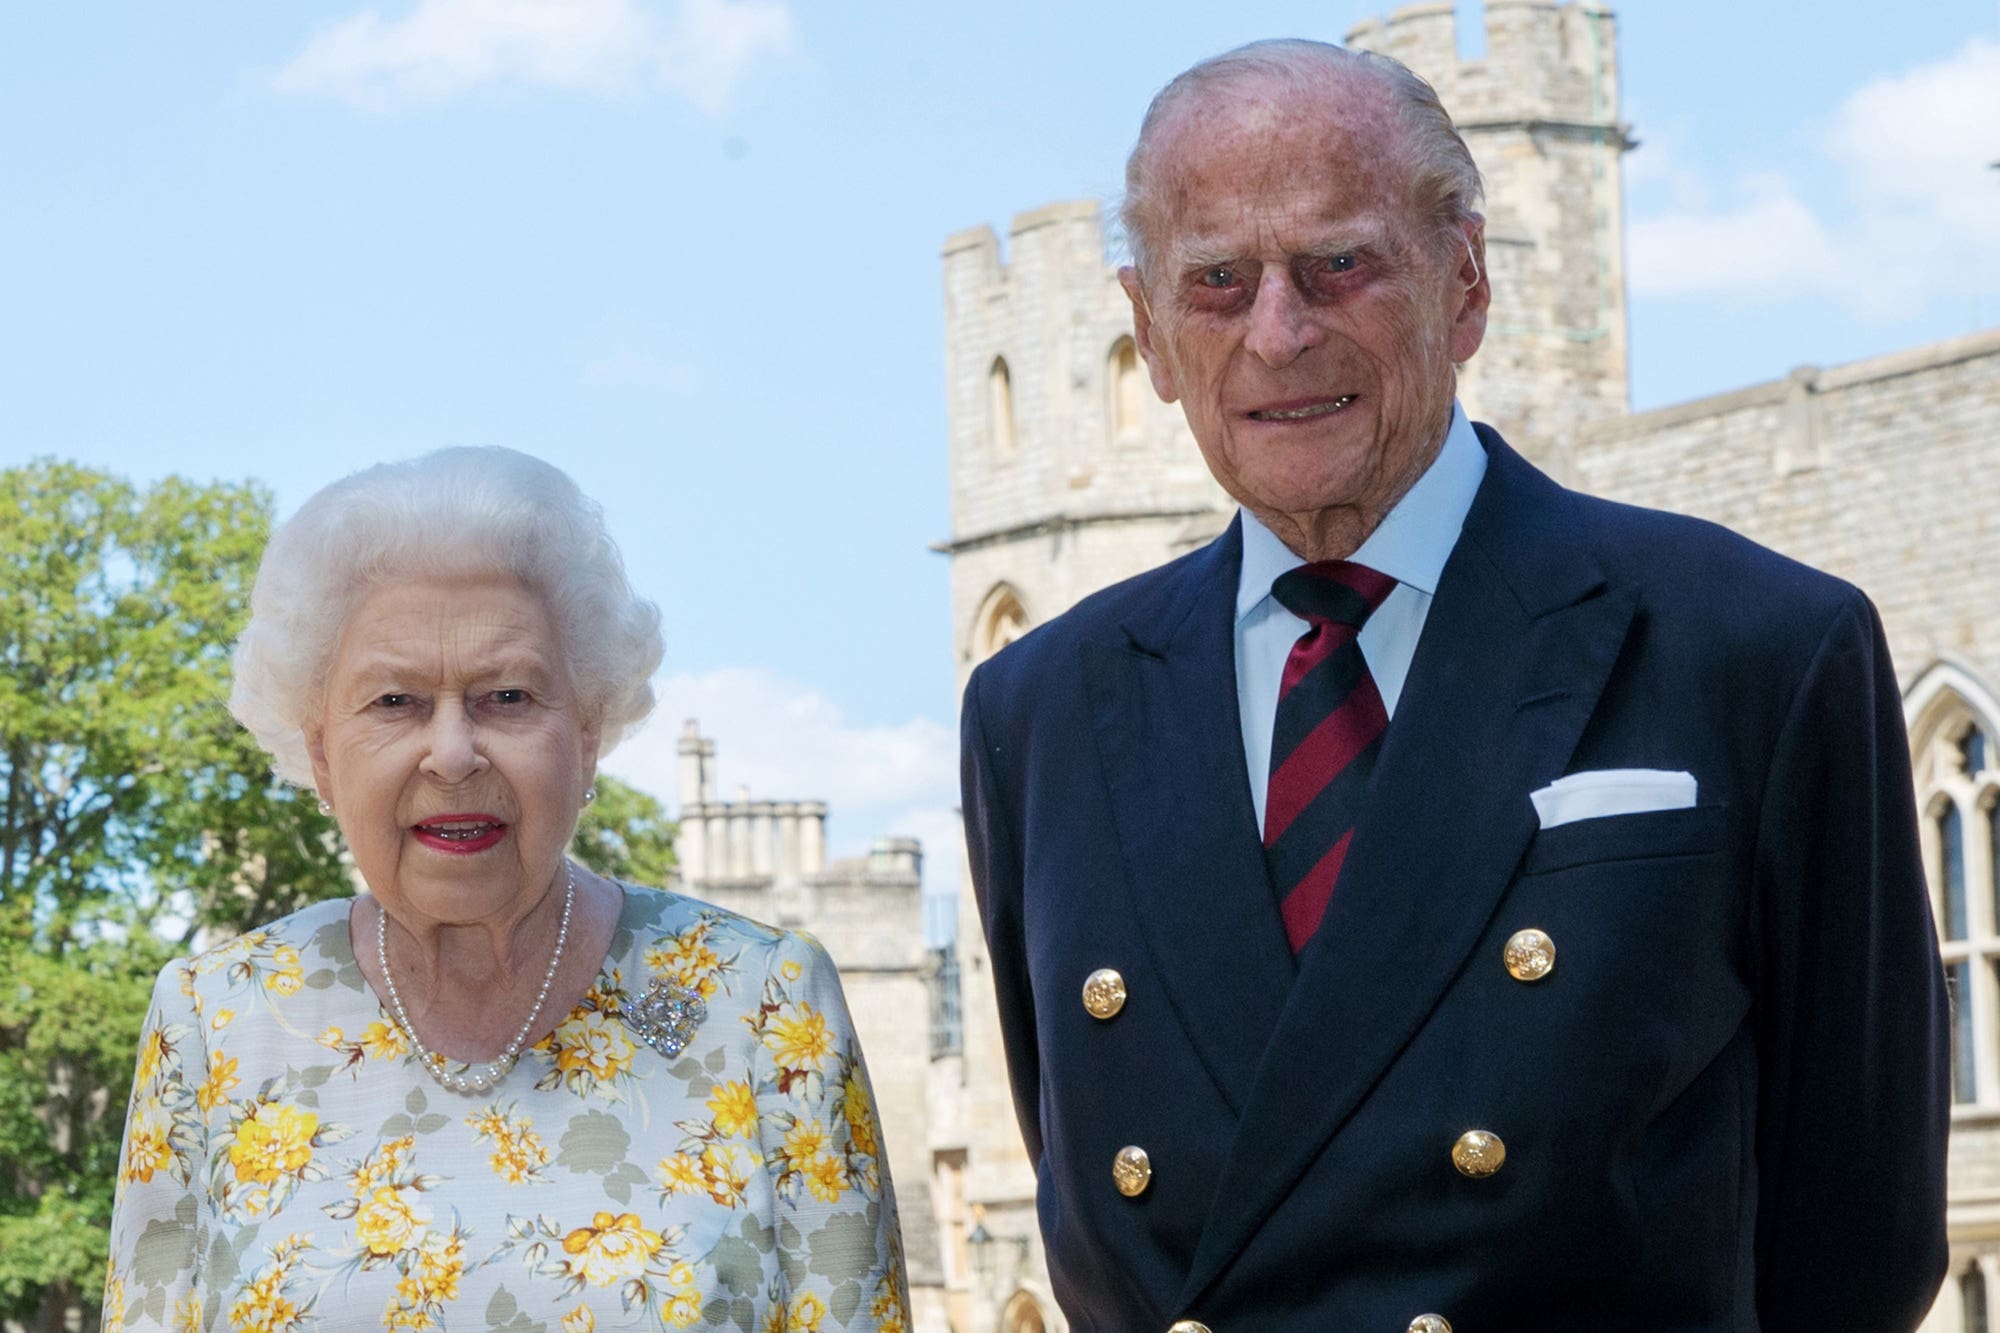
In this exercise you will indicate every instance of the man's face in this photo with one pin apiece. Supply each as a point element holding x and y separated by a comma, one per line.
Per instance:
<point>1303,314</point>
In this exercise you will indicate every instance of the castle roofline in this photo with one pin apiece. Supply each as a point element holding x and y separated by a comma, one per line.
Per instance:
<point>1812,379</point>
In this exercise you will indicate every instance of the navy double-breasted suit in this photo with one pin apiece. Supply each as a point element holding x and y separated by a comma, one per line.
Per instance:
<point>1724,1109</point>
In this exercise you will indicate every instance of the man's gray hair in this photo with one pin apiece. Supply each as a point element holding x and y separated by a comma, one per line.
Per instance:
<point>1444,180</point>
<point>467,512</point>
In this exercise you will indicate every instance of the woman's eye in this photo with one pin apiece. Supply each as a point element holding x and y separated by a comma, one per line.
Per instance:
<point>394,701</point>
<point>510,696</point>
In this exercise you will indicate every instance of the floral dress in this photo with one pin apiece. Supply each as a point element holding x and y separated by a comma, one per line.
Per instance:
<point>287,1165</point>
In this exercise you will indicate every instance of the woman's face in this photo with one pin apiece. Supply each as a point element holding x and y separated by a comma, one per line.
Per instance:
<point>453,748</point>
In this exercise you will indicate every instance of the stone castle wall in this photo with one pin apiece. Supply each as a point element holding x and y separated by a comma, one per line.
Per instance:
<point>1885,472</point>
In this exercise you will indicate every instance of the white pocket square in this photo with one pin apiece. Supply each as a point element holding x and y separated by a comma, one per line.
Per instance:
<point>1612,791</point>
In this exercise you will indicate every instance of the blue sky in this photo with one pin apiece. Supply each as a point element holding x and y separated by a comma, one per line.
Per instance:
<point>687,250</point>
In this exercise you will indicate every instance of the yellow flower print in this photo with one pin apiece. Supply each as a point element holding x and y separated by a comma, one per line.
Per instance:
<point>826,1177</point>
<point>518,1152</point>
<point>222,1019</point>
<point>798,1036</point>
<point>114,1304</point>
<point>611,1249</point>
<point>215,1089</point>
<point>441,1265</point>
<point>684,1309</point>
<point>806,1141</point>
<point>146,1147</point>
<point>152,1053</point>
<point>724,1176</point>
<point>263,1306</point>
<point>681,1174</point>
<point>774,1322</point>
<point>384,1041</point>
<point>275,1140</point>
<point>187,1313</point>
<point>379,1167</point>
<point>579,1320</point>
<point>594,1045</point>
<point>791,970</point>
<point>333,1039</point>
<point>859,1109</point>
<point>807,1311</point>
<point>734,1107</point>
<point>389,1220</point>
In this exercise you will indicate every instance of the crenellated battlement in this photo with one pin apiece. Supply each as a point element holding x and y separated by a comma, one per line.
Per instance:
<point>1548,63</point>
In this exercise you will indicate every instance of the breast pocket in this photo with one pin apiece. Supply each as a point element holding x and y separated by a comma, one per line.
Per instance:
<point>1651,835</point>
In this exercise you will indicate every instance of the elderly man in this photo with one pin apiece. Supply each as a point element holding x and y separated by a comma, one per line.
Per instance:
<point>1446,901</point>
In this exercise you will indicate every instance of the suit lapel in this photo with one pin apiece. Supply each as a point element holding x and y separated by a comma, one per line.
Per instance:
<point>1514,655</point>
<point>1164,708</point>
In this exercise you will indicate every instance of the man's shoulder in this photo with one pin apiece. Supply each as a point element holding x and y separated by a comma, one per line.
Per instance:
<point>1678,565</point>
<point>1675,558</point>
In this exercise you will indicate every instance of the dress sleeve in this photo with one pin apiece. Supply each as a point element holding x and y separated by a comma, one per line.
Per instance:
<point>1854,1103</point>
<point>158,1224</point>
<point>840,1253</point>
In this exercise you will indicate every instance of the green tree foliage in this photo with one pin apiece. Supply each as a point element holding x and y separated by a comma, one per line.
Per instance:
<point>131,807</point>
<point>625,835</point>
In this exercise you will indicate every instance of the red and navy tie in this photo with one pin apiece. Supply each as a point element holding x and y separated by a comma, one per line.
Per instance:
<point>1323,747</point>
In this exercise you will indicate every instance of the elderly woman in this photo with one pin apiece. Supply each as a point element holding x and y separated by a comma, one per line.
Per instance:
<point>495,1090</point>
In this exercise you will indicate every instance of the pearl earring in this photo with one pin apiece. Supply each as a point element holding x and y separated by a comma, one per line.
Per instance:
<point>589,795</point>
<point>324,807</point>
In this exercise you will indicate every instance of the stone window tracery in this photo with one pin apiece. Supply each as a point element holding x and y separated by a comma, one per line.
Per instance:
<point>1958,791</point>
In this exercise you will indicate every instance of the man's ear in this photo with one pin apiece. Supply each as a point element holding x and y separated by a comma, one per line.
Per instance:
<point>1142,336</point>
<point>1468,325</point>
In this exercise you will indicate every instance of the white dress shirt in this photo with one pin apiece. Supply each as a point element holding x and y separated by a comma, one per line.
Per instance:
<point>1410,546</point>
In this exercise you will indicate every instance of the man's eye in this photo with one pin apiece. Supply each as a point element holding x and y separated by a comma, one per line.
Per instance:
<point>1221,275</point>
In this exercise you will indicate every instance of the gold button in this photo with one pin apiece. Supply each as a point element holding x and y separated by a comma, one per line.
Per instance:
<point>1187,1326</point>
<point>1530,955</point>
<point>1478,1154</point>
<point>1132,1171</point>
<point>1104,993</point>
<point>1429,1323</point>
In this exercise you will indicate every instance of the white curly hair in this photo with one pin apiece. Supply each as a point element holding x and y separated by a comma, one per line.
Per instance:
<point>448,514</point>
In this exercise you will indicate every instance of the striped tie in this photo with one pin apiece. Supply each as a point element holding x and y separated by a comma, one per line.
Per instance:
<point>1323,747</point>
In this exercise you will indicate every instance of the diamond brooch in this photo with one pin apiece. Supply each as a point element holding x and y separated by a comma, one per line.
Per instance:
<point>666,1016</point>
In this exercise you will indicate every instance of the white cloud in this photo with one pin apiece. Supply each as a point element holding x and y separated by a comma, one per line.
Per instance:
<point>1922,210</point>
<point>442,49</point>
<point>787,741</point>
<point>1770,245</point>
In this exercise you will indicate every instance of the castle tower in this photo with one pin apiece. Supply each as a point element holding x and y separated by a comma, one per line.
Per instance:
<point>1540,113</point>
<point>1068,474</point>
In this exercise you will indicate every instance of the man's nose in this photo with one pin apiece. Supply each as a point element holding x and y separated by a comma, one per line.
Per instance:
<point>454,753</point>
<point>1282,325</point>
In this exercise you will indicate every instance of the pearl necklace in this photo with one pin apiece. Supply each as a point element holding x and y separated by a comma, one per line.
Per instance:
<point>475,1078</point>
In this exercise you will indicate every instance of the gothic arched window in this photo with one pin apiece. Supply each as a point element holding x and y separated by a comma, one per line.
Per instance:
<point>1000,408</point>
<point>1001,619</point>
<point>1948,713</point>
<point>1128,390</point>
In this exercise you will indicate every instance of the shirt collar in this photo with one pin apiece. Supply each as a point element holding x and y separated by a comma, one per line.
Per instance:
<point>1413,540</point>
